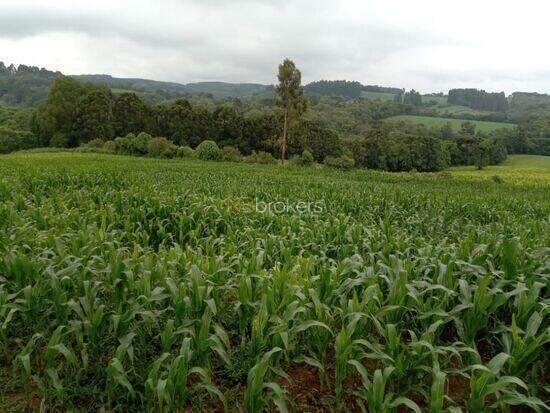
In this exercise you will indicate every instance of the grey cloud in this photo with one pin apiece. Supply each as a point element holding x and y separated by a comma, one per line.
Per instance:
<point>372,41</point>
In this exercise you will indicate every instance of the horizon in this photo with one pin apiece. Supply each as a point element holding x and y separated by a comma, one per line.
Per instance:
<point>445,92</point>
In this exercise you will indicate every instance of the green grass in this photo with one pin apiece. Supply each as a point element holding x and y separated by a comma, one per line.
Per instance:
<point>461,110</point>
<point>482,126</point>
<point>378,96</point>
<point>139,284</point>
<point>441,100</point>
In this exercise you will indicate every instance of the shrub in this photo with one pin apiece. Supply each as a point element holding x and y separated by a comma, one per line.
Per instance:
<point>109,147</point>
<point>161,148</point>
<point>185,152</point>
<point>96,143</point>
<point>306,159</point>
<point>261,157</point>
<point>296,160</point>
<point>208,151</point>
<point>15,140</point>
<point>140,144</point>
<point>343,162</point>
<point>122,145</point>
<point>231,154</point>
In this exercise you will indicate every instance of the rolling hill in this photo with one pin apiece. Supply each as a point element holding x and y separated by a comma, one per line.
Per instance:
<point>482,126</point>
<point>216,89</point>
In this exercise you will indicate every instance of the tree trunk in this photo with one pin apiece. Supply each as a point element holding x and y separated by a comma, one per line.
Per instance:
<point>283,138</point>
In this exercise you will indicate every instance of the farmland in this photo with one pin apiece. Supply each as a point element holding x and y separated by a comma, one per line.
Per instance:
<point>383,96</point>
<point>482,126</point>
<point>136,284</point>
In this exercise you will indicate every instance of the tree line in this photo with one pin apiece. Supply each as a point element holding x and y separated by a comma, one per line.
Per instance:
<point>478,99</point>
<point>75,114</point>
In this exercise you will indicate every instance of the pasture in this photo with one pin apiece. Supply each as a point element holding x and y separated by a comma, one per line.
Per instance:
<point>378,96</point>
<point>427,121</point>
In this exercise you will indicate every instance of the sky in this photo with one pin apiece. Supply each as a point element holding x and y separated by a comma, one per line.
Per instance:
<point>428,45</point>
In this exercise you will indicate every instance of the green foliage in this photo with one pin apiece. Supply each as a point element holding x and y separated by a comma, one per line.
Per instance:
<point>208,151</point>
<point>185,152</point>
<point>412,98</point>
<point>96,143</point>
<point>290,98</point>
<point>478,99</point>
<point>307,158</point>
<point>24,85</point>
<point>231,154</point>
<point>260,157</point>
<point>343,162</point>
<point>14,140</point>
<point>403,152</point>
<point>133,284</point>
<point>482,126</point>
<point>306,135</point>
<point>110,147</point>
<point>161,148</point>
<point>350,90</point>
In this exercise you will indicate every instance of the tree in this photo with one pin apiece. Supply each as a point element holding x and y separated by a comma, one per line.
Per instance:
<point>447,131</point>
<point>130,114</point>
<point>413,98</point>
<point>93,117</point>
<point>290,97</point>
<point>468,128</point>
<point>56,114</point>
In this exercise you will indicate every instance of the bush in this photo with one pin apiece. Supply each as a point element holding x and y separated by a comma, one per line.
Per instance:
<point>231,154</point>
<point>306,159</point>
<point>185,152</point>
<point>109,147</point>
<point>161,148</point>
<point>343,162</point>
<point>208,151</point>
<point>123,146</point>
<point>133,145</point>
<point>261,157</point>
<point>15,140</point>
<point>96,143</point>
<point>140,144</point>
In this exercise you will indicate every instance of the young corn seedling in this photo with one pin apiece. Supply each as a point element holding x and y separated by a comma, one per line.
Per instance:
<point>373,396</point>
<point>490,390</point>
<point>261,393</point>
<point>525,346</point>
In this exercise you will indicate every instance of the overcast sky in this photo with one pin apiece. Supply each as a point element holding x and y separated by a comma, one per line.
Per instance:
<point>428,45</point>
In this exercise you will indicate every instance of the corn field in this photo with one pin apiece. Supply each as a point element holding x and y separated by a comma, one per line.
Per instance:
<point>132,284</point>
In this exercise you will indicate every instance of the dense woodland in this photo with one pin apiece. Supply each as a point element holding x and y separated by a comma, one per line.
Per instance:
<point>479,99</point>
<point>341,126</point>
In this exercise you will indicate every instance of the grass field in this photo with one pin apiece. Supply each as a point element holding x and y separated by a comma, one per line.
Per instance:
<point>455,123</point>
<point>378,95</point>
<point>461,110</point>
<point>441,100</point>
<point>135,284</point>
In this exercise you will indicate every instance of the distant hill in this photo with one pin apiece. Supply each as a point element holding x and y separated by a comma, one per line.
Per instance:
<point>171,89</point>
<point>24,85</point>
<point>29,86</point>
